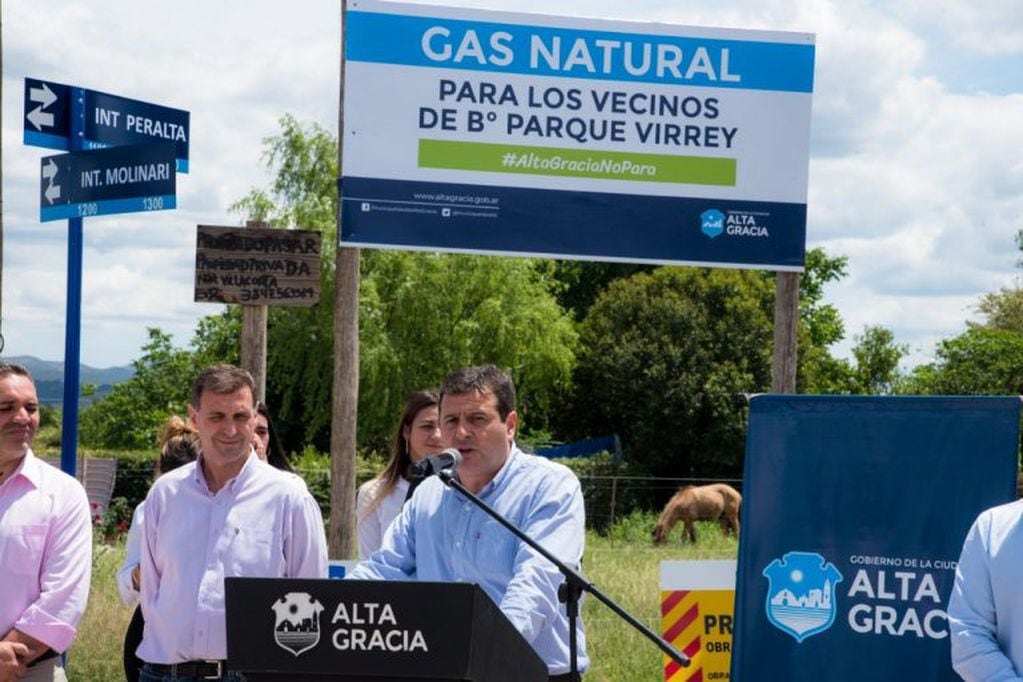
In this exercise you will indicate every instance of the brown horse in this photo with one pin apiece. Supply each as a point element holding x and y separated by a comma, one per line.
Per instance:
<point>716,502</point>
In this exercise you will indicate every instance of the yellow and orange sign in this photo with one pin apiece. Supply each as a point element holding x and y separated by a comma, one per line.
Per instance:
<point>697,607</point>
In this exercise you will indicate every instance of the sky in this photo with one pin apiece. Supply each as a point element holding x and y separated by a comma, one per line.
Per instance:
<point>915,172</point>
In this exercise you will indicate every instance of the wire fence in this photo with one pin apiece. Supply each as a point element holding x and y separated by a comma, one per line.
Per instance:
<point>608,498</point>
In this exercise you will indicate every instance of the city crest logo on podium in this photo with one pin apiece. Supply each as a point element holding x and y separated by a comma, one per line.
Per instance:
<point>801,594</point>
<point>298,622</point>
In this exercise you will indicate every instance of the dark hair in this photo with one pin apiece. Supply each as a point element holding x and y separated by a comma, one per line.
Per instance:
<point>179,444</point>
<point>9,368</point>
<point>275,455</point>
<point>485,379</point>
<point>221,379</point>
<point>415,402</point>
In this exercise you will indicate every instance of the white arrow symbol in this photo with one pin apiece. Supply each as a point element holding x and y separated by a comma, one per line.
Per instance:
<point>52,193</point>
<point>43,95</point>
<point>49,173</point>
<point>50,170</point>
<point>39,118</point>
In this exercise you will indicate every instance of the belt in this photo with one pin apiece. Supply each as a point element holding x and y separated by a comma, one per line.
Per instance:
<point>565,677</point>
<point>50,653</point>
<point>205,670</point>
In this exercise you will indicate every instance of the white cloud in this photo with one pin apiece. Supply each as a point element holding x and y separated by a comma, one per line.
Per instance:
<point>990,27</point>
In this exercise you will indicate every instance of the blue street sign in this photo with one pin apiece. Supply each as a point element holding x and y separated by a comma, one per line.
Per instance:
<point>103,181</point>
<point>108,120</point>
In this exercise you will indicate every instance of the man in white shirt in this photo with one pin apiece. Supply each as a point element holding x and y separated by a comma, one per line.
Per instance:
<point>45,543</point>
<point>985,611</point>
<point>228,514</point>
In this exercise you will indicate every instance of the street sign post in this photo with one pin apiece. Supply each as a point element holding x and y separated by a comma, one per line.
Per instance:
<point>123,157</point>
<point>106,120</point>
<point>105,181</point>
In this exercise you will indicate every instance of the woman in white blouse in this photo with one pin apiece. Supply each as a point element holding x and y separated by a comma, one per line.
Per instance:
<point>179,444</point>
<point>380,499</point>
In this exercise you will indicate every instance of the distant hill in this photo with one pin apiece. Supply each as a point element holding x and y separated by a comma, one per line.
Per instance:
<point>49,377</point>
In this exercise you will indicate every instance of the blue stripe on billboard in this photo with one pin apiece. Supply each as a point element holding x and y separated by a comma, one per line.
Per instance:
<point>574,53</point>
<point>587,225</point>
<point>854,513</point>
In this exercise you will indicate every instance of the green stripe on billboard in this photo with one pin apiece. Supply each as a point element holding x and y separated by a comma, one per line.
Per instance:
<point>579,163</point>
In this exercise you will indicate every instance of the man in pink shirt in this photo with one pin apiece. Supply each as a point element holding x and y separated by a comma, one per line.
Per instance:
<point>226,514</point>
<point>45,542</point>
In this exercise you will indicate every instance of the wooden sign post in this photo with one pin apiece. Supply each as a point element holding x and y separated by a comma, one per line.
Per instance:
<point>256,266</point>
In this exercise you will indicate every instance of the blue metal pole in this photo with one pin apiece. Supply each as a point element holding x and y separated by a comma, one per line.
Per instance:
<point>73,318</point>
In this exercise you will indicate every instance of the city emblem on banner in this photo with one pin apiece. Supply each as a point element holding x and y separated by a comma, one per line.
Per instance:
<point>712,222</point>
<point>801,594</point>
<point>298,622</point>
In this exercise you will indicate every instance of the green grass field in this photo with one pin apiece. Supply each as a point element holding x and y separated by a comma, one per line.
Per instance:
<point>623,565</point>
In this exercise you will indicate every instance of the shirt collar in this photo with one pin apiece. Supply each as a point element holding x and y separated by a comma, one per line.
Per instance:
<point>29,469</point>
<point>503,473</point>
<point>241,476</point>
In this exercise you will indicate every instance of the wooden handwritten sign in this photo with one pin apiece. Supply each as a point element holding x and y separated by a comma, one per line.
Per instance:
<point>256,266</point>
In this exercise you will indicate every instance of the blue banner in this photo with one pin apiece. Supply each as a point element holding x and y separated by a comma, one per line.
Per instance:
<point>854,515</point>
<point>554,223</point>
<point>444,42</point>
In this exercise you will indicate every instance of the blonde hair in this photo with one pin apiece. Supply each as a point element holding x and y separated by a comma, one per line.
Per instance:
<point>179,444</point>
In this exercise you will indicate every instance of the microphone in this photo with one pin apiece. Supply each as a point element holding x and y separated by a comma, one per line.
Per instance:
<point>434,464</point>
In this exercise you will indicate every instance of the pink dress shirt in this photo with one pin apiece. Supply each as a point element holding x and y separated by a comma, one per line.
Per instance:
<point>45,553</point>
<point>263,523</point>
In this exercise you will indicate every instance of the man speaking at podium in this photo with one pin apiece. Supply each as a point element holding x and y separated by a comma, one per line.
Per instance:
<point>441,536</point>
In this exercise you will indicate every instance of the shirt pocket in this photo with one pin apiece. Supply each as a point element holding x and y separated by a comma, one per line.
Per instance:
<point>23,552</point>
<point>254,553</point>
<point>495,550</point>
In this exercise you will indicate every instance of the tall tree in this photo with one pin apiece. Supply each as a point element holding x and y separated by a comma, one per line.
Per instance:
<point>822,321</point>
<point>580,282</point>
<point>665,359</point>
<point>424,315</point>
<point>979,361</point>
<point>877,361</point>
<point>1003,309</point>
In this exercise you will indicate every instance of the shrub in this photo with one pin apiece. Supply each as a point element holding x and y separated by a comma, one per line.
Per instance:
<point>112,525</point>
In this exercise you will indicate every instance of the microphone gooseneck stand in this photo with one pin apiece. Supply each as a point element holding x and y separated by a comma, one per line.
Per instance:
<point>573,587</point>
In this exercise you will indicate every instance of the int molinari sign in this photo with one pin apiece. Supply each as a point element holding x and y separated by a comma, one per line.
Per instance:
<point>255,266</point>
<point>522,134</point>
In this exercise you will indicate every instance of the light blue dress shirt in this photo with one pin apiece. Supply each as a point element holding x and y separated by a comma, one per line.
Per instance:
<point>441,536</point>
<point>985,612</point>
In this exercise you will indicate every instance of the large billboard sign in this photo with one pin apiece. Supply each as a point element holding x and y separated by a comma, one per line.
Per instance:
<point>525,134</point>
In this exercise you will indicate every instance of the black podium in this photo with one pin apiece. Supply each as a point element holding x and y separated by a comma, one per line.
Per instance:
<point>379,631</point>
